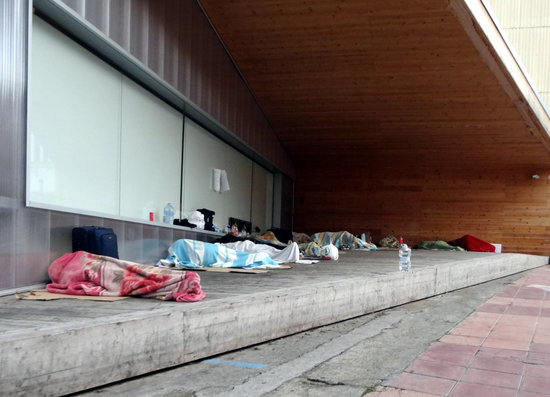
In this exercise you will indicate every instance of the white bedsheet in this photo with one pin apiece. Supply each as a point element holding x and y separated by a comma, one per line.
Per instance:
<point>290,254</point>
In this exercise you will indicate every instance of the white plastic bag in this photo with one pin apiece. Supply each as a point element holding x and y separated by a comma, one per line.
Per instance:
<point>329,252</point>
<point>196,218</point>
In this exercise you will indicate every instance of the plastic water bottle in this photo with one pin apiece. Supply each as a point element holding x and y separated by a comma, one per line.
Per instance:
<point>168,216</point>
<point>404,256</point>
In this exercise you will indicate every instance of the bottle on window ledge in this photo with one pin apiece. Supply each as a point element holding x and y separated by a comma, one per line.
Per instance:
<point>168,215</point>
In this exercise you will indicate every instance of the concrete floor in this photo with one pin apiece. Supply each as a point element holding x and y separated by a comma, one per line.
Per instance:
<point>62,346</point>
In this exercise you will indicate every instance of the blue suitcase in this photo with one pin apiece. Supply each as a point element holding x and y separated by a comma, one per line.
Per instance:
<point>96,240</point>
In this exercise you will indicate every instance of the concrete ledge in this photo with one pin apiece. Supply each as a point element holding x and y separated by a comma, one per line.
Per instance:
<point>77,355</point>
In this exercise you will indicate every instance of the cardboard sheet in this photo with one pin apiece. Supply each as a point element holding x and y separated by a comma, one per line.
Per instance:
<point>44,295</point>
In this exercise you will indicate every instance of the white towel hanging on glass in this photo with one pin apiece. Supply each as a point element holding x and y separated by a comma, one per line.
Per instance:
<point>220,183</point>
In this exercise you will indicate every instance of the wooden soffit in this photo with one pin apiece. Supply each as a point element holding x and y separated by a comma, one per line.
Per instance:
<point>415,80</point>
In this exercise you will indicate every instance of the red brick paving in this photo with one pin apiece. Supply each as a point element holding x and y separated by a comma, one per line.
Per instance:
<point>501,350</point>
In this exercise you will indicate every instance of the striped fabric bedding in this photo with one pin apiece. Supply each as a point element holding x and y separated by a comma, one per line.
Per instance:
<point>197,254</point>
<point>340,239</point>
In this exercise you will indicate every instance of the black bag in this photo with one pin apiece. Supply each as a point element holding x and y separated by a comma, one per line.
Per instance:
<point>96,240</point>
<point>208,218</point>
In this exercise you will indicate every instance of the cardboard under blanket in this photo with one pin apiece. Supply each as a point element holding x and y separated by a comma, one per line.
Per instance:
<point>232,269</point>
<point>43,295</point>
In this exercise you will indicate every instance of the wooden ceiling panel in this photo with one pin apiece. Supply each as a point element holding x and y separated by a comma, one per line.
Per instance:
<point>371,78</point>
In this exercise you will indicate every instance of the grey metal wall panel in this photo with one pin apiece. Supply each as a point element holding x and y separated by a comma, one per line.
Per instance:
<point>7,248</point>
<point>33,247</point>
<point>78,5</point>
<point>119,29</point>
<point>13,48</point>
<point>61,226</point>
<point>139,30</point>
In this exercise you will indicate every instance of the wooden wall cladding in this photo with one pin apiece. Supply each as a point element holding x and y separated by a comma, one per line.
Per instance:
<point>419,203</point>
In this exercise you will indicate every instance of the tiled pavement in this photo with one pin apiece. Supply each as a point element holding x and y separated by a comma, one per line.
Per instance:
<point>501,350</point>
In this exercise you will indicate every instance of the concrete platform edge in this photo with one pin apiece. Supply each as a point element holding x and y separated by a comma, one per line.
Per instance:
<point>68,359</point>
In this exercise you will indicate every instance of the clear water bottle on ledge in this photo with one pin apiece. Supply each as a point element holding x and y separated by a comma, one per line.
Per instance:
<point>168,215</point>
<point>404,256</point>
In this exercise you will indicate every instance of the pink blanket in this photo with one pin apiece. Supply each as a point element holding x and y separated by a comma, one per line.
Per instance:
<point>82,273</point>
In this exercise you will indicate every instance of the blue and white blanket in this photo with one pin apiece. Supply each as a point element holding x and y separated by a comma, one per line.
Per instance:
<point>196,254</point>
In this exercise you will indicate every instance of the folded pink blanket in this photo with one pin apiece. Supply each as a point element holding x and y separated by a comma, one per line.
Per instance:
<point>82,273</point>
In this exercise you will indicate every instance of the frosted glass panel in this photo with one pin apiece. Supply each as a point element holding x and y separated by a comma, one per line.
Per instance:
<point>151,153</point>
<point>203,152</point>
<point>237,201</point>
<point>262,198</point>
<point>100,143</point>
<point>73,141</point>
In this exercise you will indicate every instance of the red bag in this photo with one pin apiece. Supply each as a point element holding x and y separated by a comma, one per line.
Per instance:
<point>471,243</point>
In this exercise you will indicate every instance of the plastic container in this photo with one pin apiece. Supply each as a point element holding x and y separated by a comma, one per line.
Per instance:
<point>404,256</point>
<point>168,215</point>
